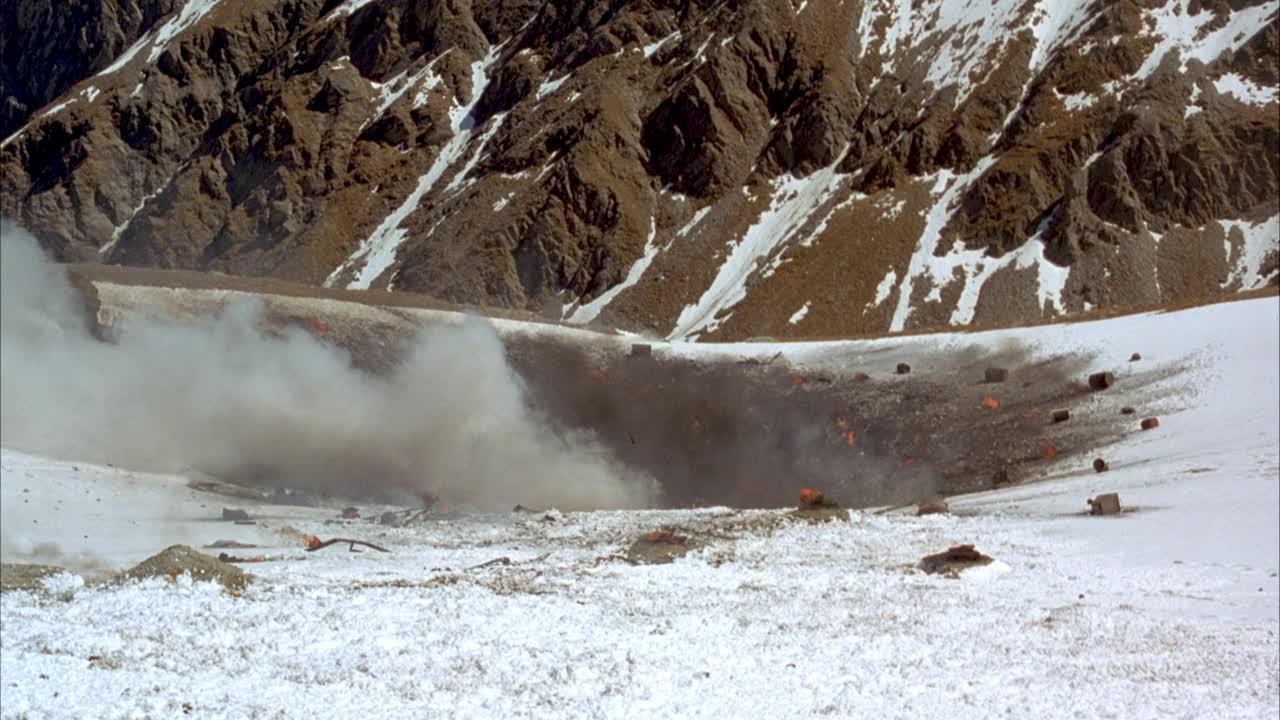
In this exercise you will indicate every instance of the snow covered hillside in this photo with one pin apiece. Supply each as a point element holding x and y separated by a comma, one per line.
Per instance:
<point>1170,610</point>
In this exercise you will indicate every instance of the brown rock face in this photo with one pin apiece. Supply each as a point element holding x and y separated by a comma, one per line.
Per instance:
<point>699,170</point>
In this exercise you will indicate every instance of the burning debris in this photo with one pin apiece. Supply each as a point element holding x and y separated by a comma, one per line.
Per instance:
<point>955,560</point>
<point>314,543</point>
<point>814,499</point>
<point>816,507</point>
<point>659,547</point>
<point>934,505</point>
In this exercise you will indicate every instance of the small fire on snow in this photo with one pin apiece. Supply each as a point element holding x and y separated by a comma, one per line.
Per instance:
<point>664,537</point>
<point>990,403</point>
<point>311,540</point>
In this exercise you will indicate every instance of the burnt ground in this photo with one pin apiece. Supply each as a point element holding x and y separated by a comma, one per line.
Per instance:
<point>752,434</point>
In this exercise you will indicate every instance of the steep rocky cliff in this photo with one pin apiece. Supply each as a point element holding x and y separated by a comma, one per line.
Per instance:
<point>707,170</point>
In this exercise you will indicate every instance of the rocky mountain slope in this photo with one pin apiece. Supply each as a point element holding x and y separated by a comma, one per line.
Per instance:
<point>704,170</point>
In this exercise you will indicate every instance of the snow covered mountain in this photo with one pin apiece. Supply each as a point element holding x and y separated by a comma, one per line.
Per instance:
<point>698,170</point>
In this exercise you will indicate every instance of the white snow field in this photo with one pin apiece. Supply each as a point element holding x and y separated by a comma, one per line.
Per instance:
<point>1169,611</point>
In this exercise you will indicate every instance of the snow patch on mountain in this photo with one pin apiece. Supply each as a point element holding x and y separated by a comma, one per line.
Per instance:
<point>1260,240</point>
<point>590,311</point>
<point>1176,29</point>
<point>378,251</point>
<point>947,188</point>
<point>1245,90</point>
<point>794,200</point>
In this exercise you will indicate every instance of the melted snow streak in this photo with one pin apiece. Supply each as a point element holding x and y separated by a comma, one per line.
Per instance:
<point>378,251</point>
<point>794,202</point>
<point>588,312</point>
<point>1260,240</point>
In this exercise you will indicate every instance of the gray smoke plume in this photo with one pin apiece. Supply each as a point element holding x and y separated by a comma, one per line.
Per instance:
<point>219,395</point>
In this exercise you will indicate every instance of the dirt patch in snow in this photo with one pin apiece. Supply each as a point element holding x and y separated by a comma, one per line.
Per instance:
<point>22,576</point>
<point>178,560</point>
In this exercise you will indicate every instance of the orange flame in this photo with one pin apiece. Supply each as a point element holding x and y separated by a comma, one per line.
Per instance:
<point>990,403</point>
<point>1048,451</point>
<point>851,438</point>
<point>312,541</point>
<point>810,497</point>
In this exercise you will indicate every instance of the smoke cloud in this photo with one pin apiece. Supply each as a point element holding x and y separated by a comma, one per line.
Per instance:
<point>219,395</point>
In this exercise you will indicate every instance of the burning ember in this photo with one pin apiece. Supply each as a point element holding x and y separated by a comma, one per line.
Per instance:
<point>663,537</point>
<point>812,499</point>
<point>990,403</point>
<point>1048,451</point>
<point>312,541</point>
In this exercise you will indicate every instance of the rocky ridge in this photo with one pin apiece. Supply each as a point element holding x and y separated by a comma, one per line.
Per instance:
<point>692,170</point>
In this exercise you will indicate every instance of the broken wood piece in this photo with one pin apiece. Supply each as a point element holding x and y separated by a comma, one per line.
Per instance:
<point>996,374</point>
<point>934,505</point>
<point>903,368</point>
<point>312,547</point>
<point>663,537</point>
<point>504,560</point>
<point>954,559</point>
<point>1102,380</point>
<point>1150,423</point>
<point>1061,415</point>
<point>234,514</point>
<point>1100,465</point>
<point>1106,504</point>
<point>235,559</point>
